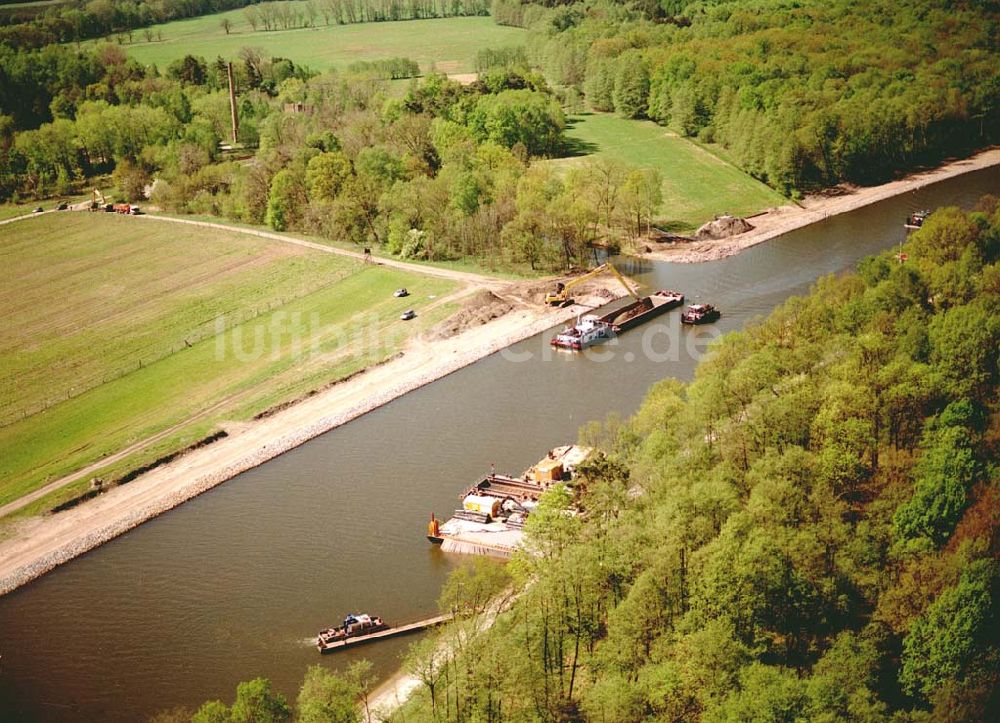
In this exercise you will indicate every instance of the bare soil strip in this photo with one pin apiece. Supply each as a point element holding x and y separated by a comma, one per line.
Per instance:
<point>781,220</point>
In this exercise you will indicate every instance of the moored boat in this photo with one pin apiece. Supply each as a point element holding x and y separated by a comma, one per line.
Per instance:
<point>494,510</point>
<point>700,314</point>
<point>592,329</point>
<point>355,626</point>
<point>916,219</point>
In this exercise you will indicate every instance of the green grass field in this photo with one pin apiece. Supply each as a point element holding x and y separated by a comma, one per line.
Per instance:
<point>697,184</point>
<point>449,44</point>
<point>122,328</point>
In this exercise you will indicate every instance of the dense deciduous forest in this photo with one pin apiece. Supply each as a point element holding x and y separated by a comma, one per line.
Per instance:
<point>810,530</point>
<point>803,94</point>
<point>75,21</point>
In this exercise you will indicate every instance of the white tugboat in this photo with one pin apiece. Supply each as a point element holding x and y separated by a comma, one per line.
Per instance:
<point>590,329</point>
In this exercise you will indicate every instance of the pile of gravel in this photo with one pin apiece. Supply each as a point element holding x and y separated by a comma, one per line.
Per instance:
<point>723,227</point>
<point>482,307</point>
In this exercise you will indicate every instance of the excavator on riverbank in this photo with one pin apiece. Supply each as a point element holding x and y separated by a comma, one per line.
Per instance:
<point>561,296</point>
<point>98,202</point>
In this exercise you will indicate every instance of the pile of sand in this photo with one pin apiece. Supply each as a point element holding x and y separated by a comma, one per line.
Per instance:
<point>723,227</point>
<point>482,307</point>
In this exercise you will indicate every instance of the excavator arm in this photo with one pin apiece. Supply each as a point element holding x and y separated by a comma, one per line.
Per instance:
<point>98,201</point>
<point>561,297</point>
<point>621,279</point>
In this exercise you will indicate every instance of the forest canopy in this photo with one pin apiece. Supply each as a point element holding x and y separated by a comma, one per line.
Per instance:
<point>803,94</point>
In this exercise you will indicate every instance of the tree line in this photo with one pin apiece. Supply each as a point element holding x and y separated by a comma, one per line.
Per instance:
<point>104,112</point>
<point>802,95</point>
<point>446,171</point>
<point>78,20</point>
<point>388,69</point>
<point>294,14</point>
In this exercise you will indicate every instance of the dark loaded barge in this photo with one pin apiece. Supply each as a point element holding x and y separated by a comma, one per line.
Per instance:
<point>641,311</point>
<point>593,329</point>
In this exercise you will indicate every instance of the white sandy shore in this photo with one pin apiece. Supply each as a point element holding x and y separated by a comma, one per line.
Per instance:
<point>781,220</point>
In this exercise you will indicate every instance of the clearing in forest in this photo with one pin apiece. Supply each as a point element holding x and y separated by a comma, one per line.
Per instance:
<point>449,44</point>
<point>697,184</point>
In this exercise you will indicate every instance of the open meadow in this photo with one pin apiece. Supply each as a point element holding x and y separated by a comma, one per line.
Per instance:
<point>121,331</point>
<point>448,44</point>
<point>697,185</point>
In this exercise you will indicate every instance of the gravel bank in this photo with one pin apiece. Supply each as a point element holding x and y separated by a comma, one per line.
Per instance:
<point>40,544</point>
<point>813,209</point>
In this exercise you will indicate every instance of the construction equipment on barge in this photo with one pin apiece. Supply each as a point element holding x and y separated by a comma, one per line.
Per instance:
<point>494,510</point>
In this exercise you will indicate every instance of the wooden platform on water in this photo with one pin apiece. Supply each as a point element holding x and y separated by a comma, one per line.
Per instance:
<point>391,632</point>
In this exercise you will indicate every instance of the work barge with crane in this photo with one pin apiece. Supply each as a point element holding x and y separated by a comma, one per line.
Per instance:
<point>493,511</point>
<point>592,328</point>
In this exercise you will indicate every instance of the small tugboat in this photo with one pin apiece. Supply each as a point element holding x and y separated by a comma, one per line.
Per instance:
<point>700,314</point>
<point>354,627</point>
<point>916,219</point>
<point>588,330</point>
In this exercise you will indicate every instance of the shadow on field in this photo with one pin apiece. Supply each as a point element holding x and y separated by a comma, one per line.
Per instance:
<point>672,227</point>
<point>576,147</point>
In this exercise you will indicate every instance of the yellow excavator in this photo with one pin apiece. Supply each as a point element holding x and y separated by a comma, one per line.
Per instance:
<point>97,200</point>
<point>561,297</point>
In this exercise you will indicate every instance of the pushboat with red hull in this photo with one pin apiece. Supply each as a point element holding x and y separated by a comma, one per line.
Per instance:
<point>700,314</point>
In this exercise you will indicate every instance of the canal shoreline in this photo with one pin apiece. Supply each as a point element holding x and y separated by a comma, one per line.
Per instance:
<point>813,209</point>
<point>40,544</point>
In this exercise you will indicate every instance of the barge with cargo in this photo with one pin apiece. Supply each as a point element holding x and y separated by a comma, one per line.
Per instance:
<point>592,329</point>
<point>355,628</point>
<point>364,628</point>
<point>494,510</point>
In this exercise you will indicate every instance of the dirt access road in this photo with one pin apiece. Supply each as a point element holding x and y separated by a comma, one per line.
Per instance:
<point>37,545</point>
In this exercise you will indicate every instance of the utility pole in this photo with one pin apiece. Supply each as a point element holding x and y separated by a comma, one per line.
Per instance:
<point>232,102</point>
